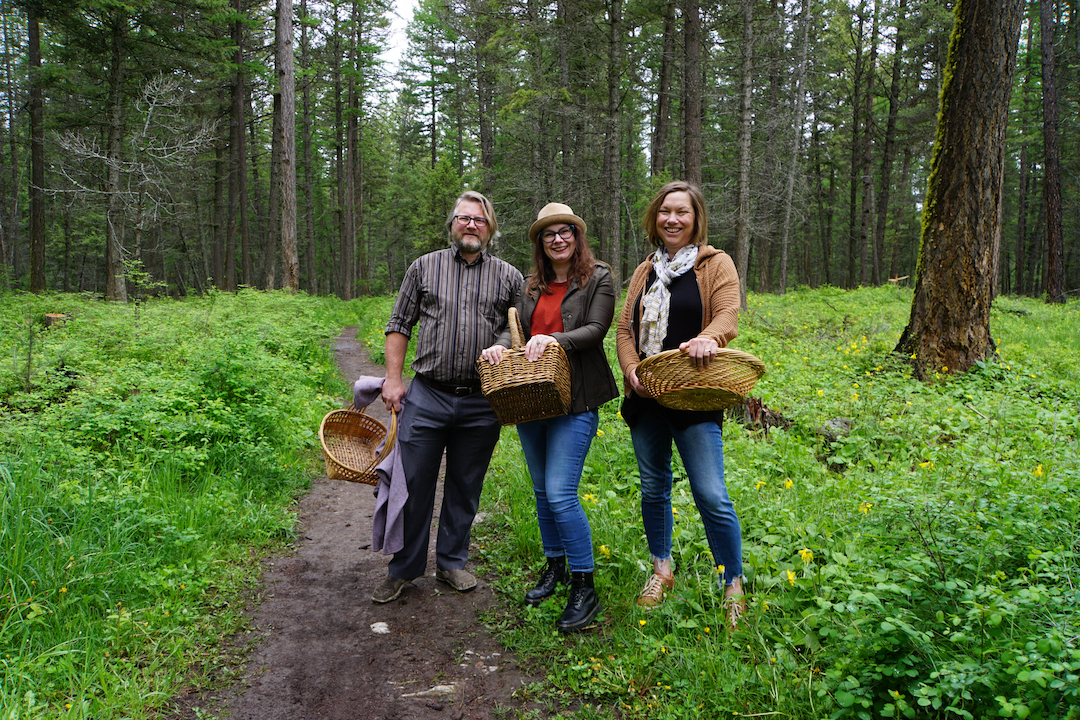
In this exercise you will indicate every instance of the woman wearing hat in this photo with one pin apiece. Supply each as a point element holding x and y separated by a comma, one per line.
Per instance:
<point>569,299</point>
<point>685,296</point>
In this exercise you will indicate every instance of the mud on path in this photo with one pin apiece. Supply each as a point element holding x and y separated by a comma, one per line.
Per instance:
<point>323,650</point>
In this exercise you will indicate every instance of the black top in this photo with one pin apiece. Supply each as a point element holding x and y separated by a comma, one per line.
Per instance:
<point>684,323</point>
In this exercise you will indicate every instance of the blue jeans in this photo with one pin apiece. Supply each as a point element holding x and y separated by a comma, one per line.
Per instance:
<point>555,450</point>
<point>701,447</point>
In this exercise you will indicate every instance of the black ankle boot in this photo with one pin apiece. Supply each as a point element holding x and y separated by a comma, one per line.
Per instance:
<point>582,605</point>
<point>553,574</point>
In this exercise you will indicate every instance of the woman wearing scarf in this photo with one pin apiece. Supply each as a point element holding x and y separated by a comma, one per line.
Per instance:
<point>685,296</point>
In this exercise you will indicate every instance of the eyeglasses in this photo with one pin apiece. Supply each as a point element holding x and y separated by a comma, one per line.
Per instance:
<point>548,236</point>
<point>464,220</point>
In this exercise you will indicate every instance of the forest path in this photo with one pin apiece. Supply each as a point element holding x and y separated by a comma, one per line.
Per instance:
<point>323,649</point>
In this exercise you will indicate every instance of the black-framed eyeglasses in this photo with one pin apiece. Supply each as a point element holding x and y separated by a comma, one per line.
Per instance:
<point>548,236</point>
<point>464,220</point>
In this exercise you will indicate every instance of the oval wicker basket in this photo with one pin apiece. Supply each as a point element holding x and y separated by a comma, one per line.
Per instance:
<point>350,438</point>
<point>520,390</point>
<point>675,382</point>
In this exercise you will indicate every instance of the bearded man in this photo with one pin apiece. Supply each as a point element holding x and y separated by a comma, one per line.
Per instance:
<point>458,298</point>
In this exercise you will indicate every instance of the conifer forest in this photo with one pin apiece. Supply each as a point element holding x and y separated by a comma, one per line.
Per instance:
<point>171,146</point>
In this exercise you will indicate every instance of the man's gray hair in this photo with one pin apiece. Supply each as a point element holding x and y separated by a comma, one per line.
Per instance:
<point>489,213</point>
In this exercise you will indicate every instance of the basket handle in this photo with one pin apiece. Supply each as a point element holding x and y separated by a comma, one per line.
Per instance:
<point>517,334</point>
<point>391,438</point>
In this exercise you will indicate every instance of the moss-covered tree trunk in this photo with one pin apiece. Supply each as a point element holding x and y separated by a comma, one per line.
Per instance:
<point>949,328</point>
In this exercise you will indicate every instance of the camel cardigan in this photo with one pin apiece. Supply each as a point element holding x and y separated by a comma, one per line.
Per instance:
<point>719,285</point>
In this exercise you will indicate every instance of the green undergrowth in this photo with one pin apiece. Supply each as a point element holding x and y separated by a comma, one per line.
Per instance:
<point>910,548</point>
<point>149,453</point>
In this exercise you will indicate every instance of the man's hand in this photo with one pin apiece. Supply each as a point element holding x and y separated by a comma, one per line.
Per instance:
<point>393,390</point>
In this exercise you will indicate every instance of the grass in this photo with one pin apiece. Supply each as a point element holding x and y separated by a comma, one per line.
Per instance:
<point>148,453</point>
<point>910,548</point>
<point>921,563</point>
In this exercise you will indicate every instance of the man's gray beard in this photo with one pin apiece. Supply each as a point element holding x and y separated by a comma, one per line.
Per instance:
<point>467,246</point>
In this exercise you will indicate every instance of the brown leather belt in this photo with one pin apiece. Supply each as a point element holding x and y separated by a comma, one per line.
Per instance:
<point>457,390</point>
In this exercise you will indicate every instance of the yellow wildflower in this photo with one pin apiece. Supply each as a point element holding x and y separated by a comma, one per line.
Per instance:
<point>806,554</point>
<point>760,484</point>
<point>788,484</point>
<point>642,623</point>
<point>1038,470</point>
<point>790,577</point>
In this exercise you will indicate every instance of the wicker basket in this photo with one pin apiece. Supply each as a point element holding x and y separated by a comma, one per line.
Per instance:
<point>675,382</point>
<point>520,390</point>
<point>349,440</point>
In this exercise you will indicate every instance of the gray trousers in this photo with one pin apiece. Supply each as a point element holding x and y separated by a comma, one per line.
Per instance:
<point>467,429</point>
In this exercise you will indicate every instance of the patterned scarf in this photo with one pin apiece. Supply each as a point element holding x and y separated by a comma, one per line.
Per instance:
<point>654,319</point>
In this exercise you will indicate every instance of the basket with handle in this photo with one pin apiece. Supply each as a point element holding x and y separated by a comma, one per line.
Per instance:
<point>672,378</point>
<point>350,439</point>
<point>520,390</point>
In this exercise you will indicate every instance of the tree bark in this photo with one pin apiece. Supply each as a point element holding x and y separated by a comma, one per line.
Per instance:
<point>949,327</point>
<point>866,224</point>
<point>309,177</point>
<point>854,255</point>
<point>37,158</point>
<point>115,281</point>
<point>692,91</point>
<point>1055,244</point>
<point>796,138</point>
<point>1024,183</point>
<point>290,263</point>
<point>746,119</point>
<point>658,161</point>
<point>9,251</point>
<point>612,184</point>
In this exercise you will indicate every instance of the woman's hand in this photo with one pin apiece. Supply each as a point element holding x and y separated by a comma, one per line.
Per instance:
<point>493,354</point>
<point>702,350</point>
<point>535,347</point>
<point>635,384</point>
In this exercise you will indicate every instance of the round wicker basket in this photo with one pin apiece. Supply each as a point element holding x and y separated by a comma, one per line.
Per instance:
<point>350,438</point>
<point>675,382</point>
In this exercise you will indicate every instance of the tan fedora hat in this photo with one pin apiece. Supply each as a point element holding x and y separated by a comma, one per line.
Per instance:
<point>555,213</point>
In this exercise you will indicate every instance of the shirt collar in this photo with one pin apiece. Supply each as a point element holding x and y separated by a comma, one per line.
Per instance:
<point>479,259</point>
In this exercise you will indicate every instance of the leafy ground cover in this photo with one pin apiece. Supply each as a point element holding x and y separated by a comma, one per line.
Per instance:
<point>148,453</point>
<point>911,548</point>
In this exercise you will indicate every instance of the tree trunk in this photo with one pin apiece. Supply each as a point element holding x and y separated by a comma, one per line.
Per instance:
<point>273,235</point>
<point>889,150</point>
<point>856,154</point>
<point>692,91</point>
<point>796,138</point>
<point>218,214</point>
<point>115,282</point>
<point>866,224</point>
<point>309,177</point>
<point>612,184</point>
<point>9,252</point>
<point>949,327</point>
<point>290,263</point>
<point>1055,245</point>
<point>746,119</point>
<point>37,158</point>
<point>663,95</point>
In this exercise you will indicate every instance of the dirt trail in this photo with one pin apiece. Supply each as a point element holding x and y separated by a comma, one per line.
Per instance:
<point>322,649</point>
